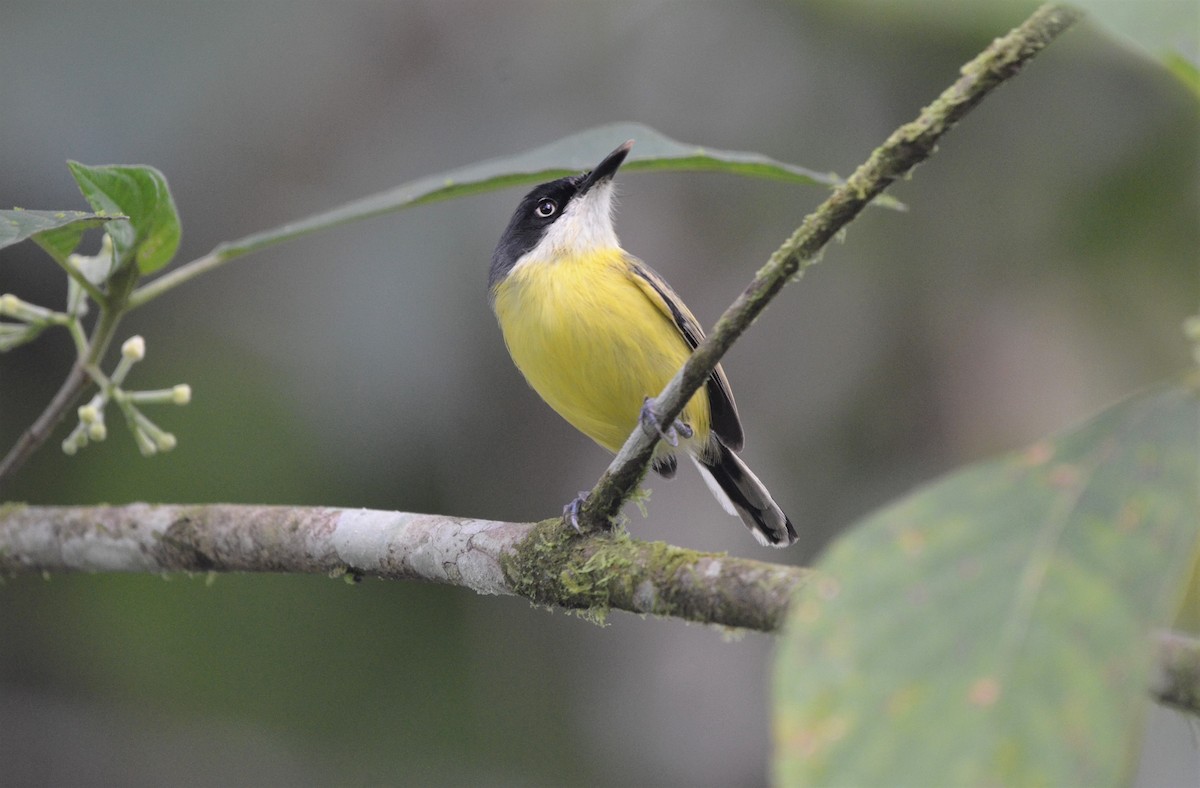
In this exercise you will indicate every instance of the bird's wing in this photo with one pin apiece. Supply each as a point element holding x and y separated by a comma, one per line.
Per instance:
<point>725,421</point>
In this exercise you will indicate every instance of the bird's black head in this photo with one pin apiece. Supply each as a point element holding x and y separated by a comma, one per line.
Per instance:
<point>574,199</point>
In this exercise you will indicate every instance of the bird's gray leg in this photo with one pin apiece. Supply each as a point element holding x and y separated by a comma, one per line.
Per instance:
<point>651,424</point>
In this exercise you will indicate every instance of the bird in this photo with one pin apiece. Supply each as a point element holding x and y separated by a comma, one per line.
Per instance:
<point>597,334</point>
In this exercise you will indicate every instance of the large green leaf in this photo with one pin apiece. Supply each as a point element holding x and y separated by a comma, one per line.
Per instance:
<point>994,628</point>
<point>652,151</point>
<point>57,231</point>
<point>578,152</point>
<point>150,237</point>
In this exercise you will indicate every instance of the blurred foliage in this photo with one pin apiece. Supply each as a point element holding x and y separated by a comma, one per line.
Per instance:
<point>1162,29</point>
<point>384,680</point>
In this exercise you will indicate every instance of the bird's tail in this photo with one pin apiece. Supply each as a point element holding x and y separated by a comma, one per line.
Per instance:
<point>744,496</point>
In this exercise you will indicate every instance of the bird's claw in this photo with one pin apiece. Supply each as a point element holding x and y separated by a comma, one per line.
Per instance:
<point>571,511</point>
<point>652,425</point>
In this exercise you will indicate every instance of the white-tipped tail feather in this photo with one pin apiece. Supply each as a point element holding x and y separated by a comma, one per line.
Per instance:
<point>740,492</point>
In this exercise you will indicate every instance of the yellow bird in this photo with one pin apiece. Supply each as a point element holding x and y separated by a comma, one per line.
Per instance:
<point>597,334</point>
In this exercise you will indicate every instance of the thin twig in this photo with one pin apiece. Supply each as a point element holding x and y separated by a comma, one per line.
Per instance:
<point>44,424</point>
<point>182,274</point>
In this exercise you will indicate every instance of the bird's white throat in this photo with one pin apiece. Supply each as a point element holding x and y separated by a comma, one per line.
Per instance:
<point>585,225</point>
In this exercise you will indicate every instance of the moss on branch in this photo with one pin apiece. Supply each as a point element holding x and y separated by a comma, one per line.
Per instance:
<point>595,573</point>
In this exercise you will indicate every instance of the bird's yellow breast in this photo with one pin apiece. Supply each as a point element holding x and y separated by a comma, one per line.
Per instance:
<point>592,343</point>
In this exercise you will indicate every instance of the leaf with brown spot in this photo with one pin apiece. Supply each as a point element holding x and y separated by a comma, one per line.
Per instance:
<point>995,627</point>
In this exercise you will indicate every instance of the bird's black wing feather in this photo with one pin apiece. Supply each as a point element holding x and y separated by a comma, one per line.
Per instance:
<point>725,421</point>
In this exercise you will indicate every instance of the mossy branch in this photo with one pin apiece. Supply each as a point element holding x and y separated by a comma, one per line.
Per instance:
<point>597,573</point>
<point>907,147</point>
<point>539,561</point>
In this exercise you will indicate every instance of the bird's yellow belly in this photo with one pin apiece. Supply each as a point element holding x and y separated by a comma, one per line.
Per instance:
<point>592,344</point>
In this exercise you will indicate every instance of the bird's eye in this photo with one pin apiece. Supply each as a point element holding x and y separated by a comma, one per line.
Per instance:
<point>546,208</point>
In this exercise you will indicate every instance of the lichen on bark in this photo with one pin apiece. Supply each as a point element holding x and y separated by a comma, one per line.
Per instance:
<point>594,573</point>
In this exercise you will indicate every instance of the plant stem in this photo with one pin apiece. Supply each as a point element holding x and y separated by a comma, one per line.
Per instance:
<point>74,384</point>
<point>94,292</point>
<point>182,274</point>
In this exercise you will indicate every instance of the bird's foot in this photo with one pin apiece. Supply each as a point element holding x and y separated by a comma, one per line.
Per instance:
<point>651,424</point>
<point>571,511</point>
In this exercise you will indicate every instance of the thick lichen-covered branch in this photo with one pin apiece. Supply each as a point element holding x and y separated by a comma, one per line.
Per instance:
<point>907,147</point>
<point>591,574</point>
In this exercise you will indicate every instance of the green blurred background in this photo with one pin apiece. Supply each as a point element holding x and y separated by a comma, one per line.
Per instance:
<point>1042,271</point>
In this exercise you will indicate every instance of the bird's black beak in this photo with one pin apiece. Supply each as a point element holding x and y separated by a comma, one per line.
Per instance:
<point>605,169</point>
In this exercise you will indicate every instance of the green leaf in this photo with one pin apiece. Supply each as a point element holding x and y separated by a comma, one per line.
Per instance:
<point>1185,71</point>
<point>652,151</point>
<point>150,236</point>
<point>578,152</point>
<point>58,232</point>
<point>995,628</point>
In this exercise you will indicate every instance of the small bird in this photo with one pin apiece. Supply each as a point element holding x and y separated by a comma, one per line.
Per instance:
<point>597,333</point>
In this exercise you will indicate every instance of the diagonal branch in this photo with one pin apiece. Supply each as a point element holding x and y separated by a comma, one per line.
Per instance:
<point>908,146</point>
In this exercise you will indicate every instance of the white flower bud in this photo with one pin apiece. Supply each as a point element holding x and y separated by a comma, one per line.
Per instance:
<point>144,443</point>
<point>134,348</point>
<point>75,441</point>
<point>11,306</point>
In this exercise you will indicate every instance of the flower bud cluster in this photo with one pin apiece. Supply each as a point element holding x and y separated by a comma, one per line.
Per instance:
<point>150,438</point>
